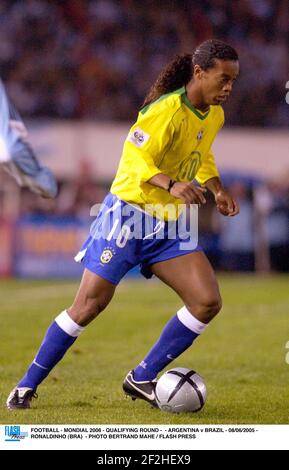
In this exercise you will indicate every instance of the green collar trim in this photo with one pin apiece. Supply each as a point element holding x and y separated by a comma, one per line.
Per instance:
<point>187,102</point>
<point>182,92</point>
<point>179,91</point>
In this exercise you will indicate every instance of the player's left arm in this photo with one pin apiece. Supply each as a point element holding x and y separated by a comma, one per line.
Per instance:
<point>226,205</point>
<point>209,177</point>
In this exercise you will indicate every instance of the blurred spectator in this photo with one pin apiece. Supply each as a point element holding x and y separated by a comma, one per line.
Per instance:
<point>278,226</point>
<point>75,198</point>
<point>97,58</point>
<point>237,234</point>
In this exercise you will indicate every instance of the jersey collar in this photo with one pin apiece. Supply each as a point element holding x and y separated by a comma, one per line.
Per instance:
<point>196,111</point>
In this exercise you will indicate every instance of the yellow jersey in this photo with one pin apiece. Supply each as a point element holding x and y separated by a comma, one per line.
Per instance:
<point>172,137</point>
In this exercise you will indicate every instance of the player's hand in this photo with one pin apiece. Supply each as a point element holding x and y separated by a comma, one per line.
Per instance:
<point>189,193</point>
<point>226,205</point>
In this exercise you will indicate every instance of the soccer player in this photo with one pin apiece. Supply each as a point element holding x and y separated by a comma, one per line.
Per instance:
<point>16,154</point>
<point>166,149</point>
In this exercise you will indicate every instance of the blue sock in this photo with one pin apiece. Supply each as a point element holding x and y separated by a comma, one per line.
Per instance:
<point>177,336</point>
<point>59,337</point>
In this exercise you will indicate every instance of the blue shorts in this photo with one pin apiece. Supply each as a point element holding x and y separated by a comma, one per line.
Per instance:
<point>124,236</point>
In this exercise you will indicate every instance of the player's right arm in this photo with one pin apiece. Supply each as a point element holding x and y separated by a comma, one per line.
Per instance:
<point>187,192</point>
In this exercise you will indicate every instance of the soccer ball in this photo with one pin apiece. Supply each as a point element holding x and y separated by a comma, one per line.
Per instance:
<point>180,389</point>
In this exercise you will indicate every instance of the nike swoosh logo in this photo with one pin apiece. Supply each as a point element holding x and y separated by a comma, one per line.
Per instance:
<point>150,396</point>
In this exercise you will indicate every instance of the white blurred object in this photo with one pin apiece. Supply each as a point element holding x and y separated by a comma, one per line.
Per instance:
<point>262,205</point>
<point>17,156</point>
<point>262,199</point>
<point>4,152</point>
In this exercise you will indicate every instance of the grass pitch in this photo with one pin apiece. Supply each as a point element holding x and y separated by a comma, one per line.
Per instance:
<point>241,356</point>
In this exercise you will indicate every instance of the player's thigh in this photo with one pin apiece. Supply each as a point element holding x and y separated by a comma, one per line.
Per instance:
<point>93,295</point>
<point>193,279</point>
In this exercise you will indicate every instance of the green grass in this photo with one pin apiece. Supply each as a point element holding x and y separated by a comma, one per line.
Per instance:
<point>241,355</point>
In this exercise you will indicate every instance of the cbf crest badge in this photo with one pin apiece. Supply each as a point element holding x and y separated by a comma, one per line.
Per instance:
<point>200,134</point>
<point>106,255</point>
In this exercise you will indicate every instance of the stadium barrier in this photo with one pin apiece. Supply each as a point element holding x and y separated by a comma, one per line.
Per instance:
<point>45,247</point>
<point>63,145</point>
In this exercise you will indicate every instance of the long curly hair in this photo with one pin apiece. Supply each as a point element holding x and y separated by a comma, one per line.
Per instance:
<point>180,71</point>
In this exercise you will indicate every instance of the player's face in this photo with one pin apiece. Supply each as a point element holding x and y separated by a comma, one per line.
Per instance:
<point>217,82</point>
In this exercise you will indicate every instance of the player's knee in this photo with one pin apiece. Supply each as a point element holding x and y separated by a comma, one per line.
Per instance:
<point>210,307</point>
<point>94,307</point>
<point>207,308</point>
<point>86,311</point>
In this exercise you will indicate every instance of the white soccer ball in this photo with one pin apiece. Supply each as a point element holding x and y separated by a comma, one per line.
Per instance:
<point>179,390</point>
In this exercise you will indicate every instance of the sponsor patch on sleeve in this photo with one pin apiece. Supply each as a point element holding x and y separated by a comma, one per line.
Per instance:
<point>138,137</point>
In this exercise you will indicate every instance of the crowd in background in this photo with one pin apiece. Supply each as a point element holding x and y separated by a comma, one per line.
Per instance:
<point>96,59</point>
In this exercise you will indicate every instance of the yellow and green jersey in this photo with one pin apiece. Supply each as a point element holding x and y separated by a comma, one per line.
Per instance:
<point>172,137</point>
